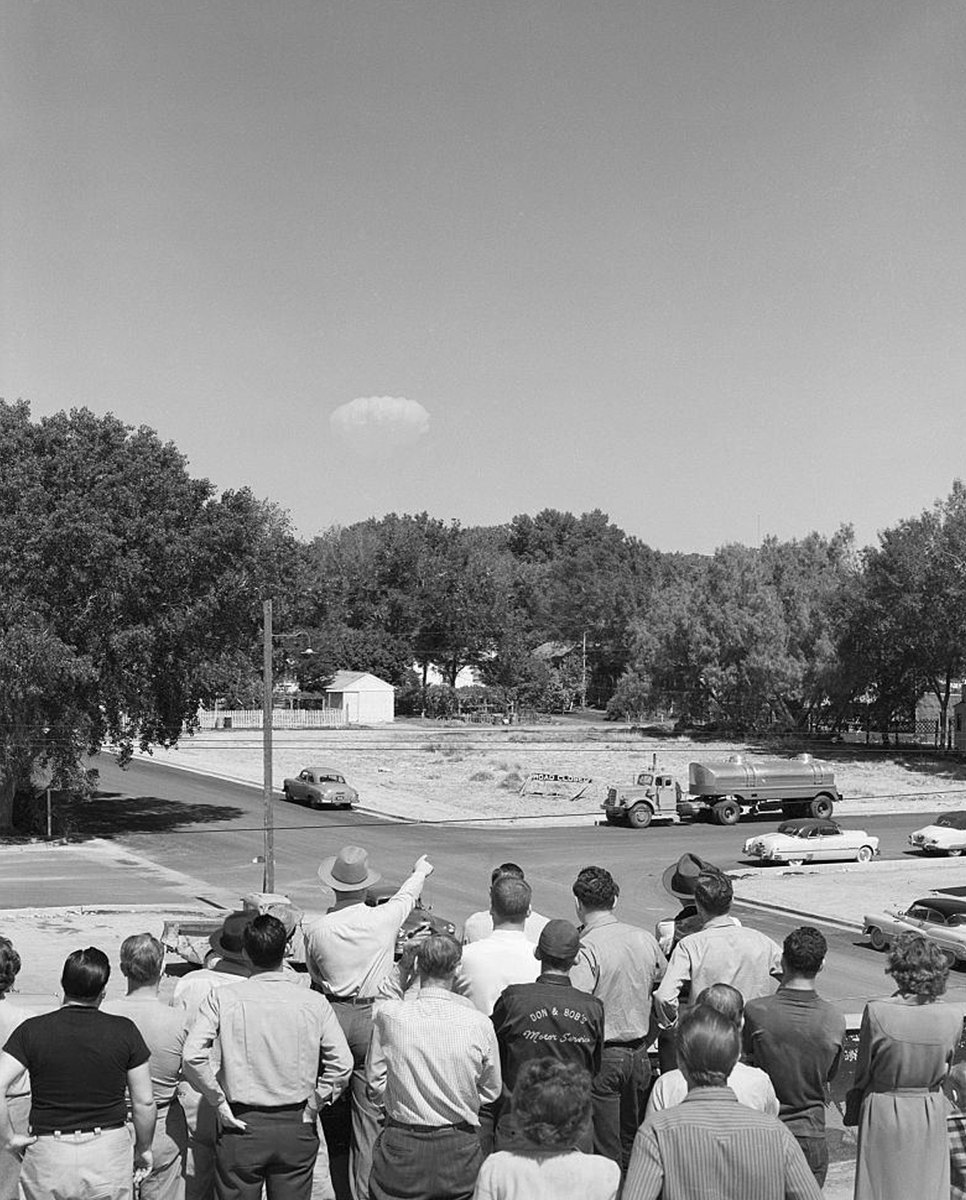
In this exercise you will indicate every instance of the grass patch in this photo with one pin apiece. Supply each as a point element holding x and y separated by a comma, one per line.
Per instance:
<point>481,776</point>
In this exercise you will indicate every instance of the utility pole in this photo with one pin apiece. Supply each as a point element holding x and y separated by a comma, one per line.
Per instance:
<point>583,674</point>
<point>268,687</point>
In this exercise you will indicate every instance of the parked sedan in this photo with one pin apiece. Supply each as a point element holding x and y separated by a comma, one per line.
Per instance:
<point>942,919</point>
<point>811,839</point>
<point>320,785</point>
<point>947,835</point>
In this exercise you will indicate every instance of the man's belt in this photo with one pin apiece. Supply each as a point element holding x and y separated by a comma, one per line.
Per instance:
<point>462,1126</point>
<point>239,1108</point>
<point>629,1043</point>
<point>355,999</point>
<point>72,1132</point>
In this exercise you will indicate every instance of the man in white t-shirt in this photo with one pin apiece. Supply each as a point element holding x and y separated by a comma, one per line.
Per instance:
<point>751,1085</point>
<point>506,956</point>
<point>480,924</point>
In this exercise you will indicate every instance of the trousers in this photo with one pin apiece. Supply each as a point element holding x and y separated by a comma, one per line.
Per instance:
<point>277,1150</point>
<point>620,1091</point>
<point>417,1163</point>
<point>79,1166</point>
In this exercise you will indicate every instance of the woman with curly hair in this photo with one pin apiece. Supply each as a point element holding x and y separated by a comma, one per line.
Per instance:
<point>551,1109</point>
<point>18,1097</point>
<point>906,1044</point>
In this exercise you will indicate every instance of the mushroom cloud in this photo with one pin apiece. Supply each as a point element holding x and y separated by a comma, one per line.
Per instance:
<point>377,426</point>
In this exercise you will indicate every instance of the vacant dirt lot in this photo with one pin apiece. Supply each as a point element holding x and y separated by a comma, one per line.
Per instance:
<point>443,773</point>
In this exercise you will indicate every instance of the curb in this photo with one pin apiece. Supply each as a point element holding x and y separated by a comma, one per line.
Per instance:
<point>818,918</point>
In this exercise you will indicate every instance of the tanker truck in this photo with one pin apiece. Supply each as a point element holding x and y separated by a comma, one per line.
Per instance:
<point>800,787</point>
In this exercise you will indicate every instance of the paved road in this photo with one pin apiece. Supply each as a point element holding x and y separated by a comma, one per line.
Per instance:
<point>211,830</point>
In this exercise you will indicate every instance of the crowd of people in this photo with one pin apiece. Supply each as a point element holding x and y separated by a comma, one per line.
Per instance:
<point>512,1066</point>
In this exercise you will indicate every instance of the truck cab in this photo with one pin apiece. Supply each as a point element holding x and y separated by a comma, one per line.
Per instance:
<point>654,793</point>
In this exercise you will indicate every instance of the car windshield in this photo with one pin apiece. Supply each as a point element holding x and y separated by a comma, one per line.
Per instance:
<point>643,780</point>
<point>954,820</point>
<point>957,919</point>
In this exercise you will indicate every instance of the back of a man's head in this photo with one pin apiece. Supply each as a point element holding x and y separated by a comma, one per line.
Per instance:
<point>707,1046</point>
<point>142,958</point>
<point>438,957</point>
<point>596,889</point>
<point>85,974</point>
<point>804,951</point>
<point>713,892</point>
<point>264,942</point>
<point>724,999</point>
<point>509,900</point>
<point>507,868</point>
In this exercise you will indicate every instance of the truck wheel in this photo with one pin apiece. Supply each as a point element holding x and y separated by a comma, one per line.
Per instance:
<point>726,812</point>
<point>639,817</point>
<point>821,807</point>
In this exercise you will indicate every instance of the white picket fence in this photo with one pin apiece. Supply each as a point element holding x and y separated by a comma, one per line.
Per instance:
<point>282,718</point>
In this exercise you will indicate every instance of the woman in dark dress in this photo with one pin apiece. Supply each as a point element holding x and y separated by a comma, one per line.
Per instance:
<point>906,1044</point>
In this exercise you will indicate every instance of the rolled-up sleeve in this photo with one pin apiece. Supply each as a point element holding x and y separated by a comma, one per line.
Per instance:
<point>669,989</point>
<point>376,1066</point>
<point>201,1037</point>
<point>491,1078</point>
<point>335,1060</point>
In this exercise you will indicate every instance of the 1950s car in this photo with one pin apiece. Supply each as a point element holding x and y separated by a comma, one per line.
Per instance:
<point>320,785</point>
<point>811,839</point>
<point>946,835</point>
<point>941,919</point>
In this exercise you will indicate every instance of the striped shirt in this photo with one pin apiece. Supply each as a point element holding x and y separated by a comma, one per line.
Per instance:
<point>433,1060</point>
<point>710,1147</point>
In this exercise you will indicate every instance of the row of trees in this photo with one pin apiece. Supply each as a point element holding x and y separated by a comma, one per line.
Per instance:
<point>131,593</point>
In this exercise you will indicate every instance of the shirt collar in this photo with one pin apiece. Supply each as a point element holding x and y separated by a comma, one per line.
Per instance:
<point>798,993</point>
<point>554,979</point>
<point>439,993</point>
<point>720,922</point>
<point>711,1093</point>
<point>603,916</point>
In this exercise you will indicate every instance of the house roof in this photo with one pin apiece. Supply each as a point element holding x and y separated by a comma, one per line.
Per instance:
<point>349,681</point>
<point>550,650</point>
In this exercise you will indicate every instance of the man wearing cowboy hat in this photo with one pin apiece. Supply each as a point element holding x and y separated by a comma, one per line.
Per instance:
<point>349,951</point>
<point>679,880</point>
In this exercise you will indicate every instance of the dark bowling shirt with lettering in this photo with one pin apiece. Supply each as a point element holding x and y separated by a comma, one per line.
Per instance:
<point>548,1018</point>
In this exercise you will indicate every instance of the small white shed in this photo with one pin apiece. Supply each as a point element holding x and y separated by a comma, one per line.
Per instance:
<point>365,699</point>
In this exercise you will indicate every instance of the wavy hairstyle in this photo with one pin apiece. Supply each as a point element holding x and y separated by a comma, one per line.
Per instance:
<point>551,1102</point>
<point>918,966</point>
<point>9,965</point>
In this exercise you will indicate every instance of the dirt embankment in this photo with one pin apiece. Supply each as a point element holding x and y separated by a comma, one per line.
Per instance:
<point>441,773</point>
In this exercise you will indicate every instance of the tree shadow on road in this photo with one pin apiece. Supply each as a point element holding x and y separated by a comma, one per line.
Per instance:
<point>110,814</point>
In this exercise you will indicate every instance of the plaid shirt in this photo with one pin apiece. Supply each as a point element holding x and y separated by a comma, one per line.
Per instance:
<point>433,1060</point>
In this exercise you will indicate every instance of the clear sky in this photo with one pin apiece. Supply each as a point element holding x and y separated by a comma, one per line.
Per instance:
<point>698,263</point>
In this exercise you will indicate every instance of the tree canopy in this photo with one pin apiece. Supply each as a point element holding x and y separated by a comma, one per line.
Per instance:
<point>124,580</point>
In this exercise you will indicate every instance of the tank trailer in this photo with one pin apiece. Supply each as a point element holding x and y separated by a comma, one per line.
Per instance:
<point>718,791</point>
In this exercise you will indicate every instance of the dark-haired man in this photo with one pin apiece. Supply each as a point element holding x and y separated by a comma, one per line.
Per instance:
<point>506,956</point>
<point>710,1145</point>
<point>797,1038</point>
<point>480,924</point>
<point>620,964</point>
<point>722,951</point>
<point>547,1019</point>
<point>433,1062</point>
<point>283,1056</point>
<point>80,1062</point>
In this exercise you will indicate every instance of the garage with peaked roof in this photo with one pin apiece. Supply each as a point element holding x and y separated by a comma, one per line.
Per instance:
<point>365,699</point>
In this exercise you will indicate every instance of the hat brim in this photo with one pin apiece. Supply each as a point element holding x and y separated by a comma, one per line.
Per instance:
<point>217,945</point>
<point>339,885</point>
<point>679,893</point>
